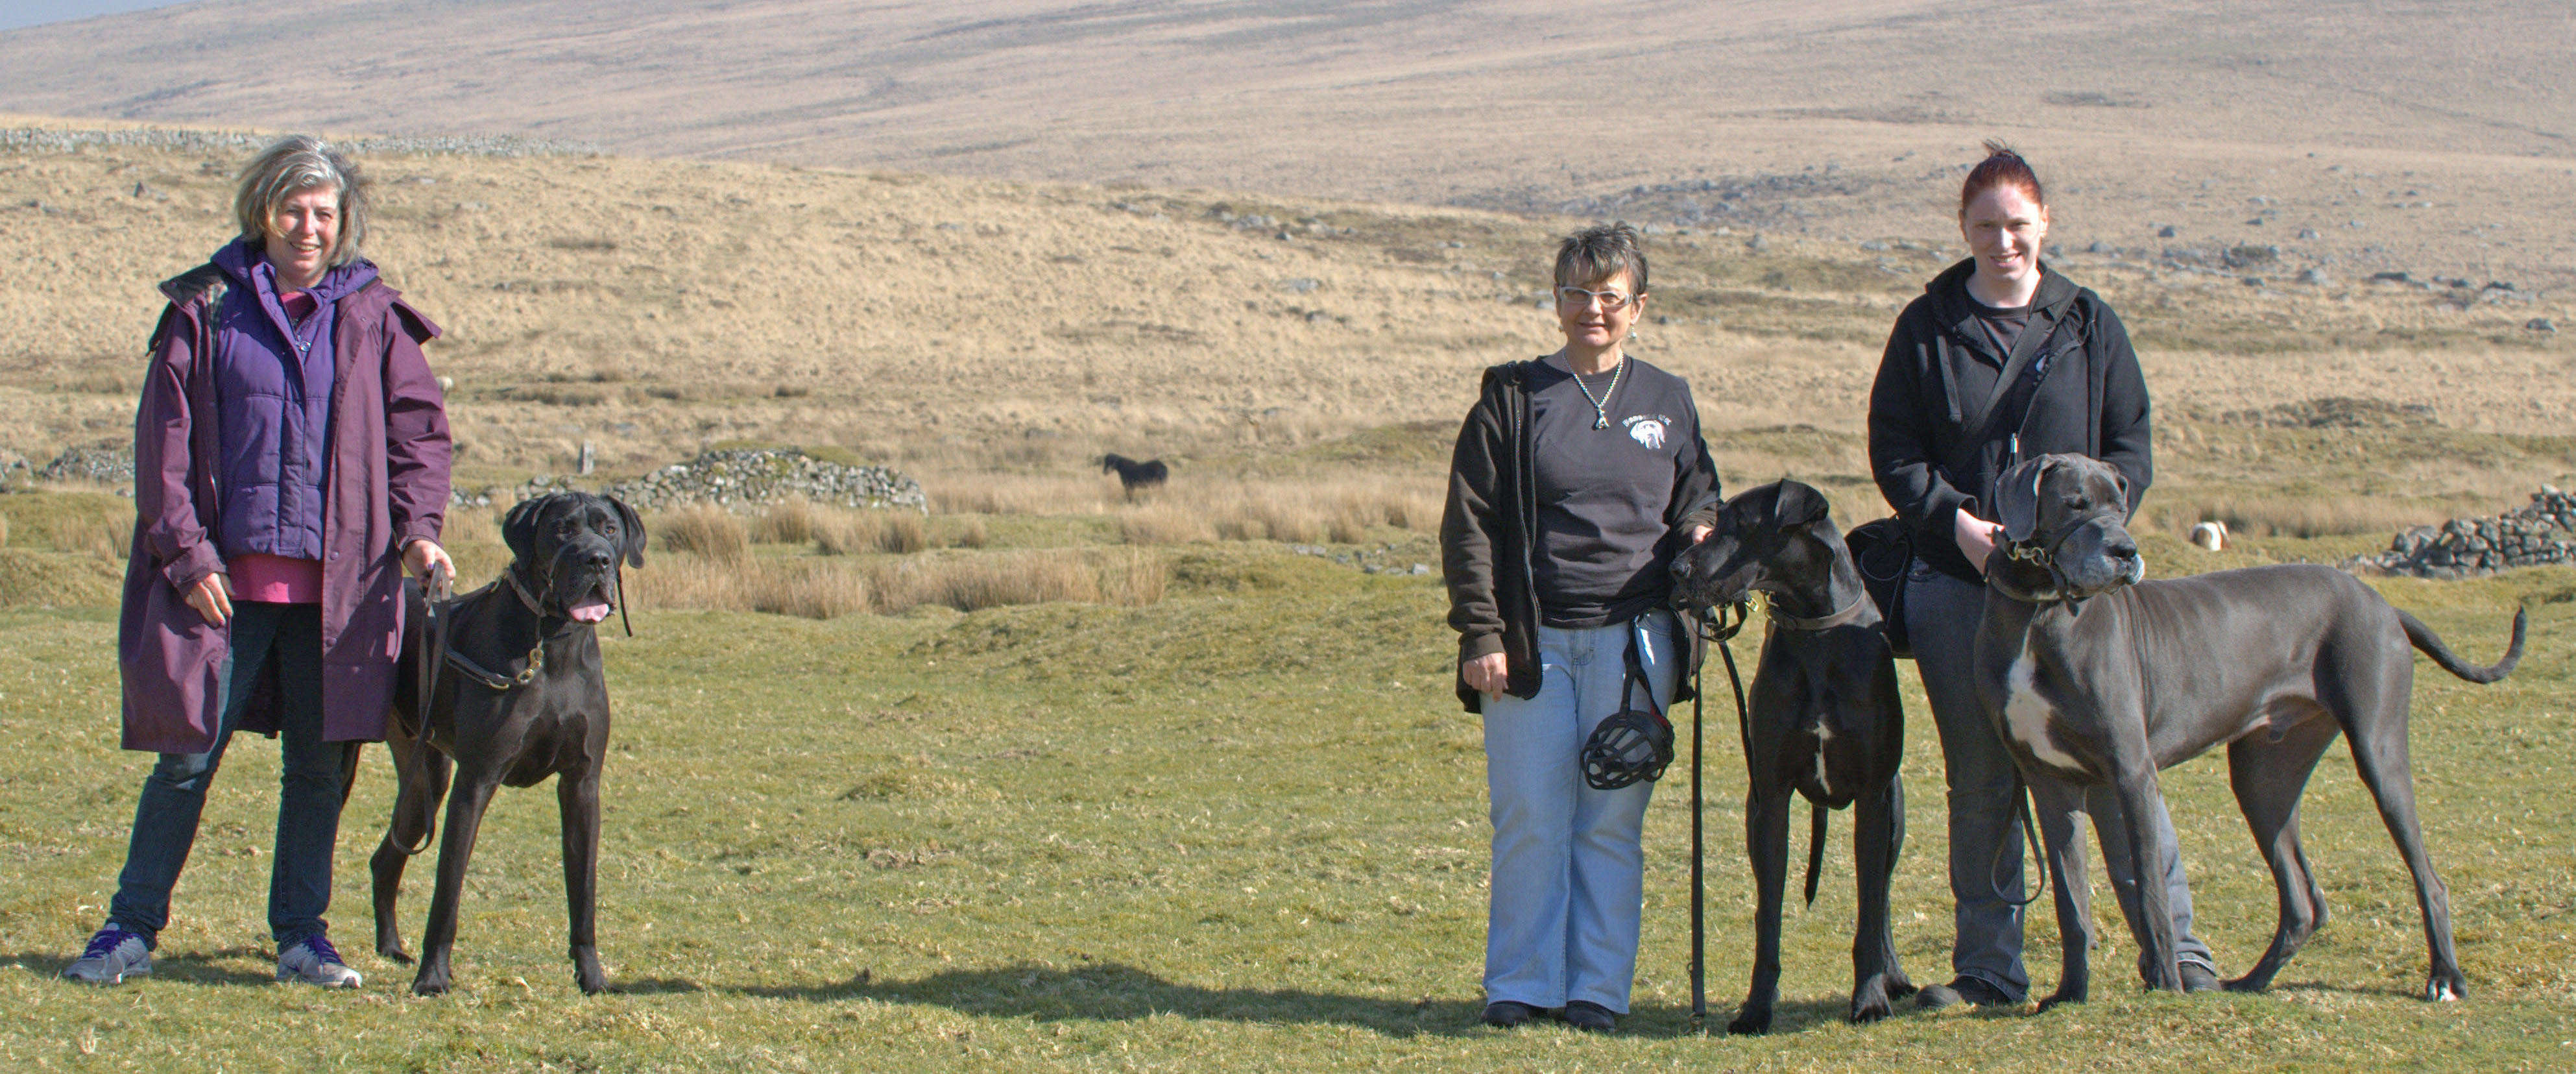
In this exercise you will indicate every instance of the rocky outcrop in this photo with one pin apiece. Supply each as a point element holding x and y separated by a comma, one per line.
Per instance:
<point>2532,535</point>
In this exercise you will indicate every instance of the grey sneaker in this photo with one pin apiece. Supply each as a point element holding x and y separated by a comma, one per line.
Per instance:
<point>113,955</point>
<point>314,962</point>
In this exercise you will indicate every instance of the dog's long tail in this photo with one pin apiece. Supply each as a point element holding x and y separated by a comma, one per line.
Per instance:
<point>1816,815</point>
<point>2423,638</point>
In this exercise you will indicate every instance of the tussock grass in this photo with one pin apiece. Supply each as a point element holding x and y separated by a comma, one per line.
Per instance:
<point>810,589</point>
<point>843,533</point>
<point>706,531</point>
<point>827,587</point>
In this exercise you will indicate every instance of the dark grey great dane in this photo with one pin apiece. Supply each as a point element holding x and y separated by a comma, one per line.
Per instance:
<point>2095,677</point>
<point>518,695</point>
<point>1825,723</point>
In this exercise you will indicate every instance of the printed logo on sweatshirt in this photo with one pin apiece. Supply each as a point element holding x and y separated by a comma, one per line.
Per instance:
<point>1648,430</point>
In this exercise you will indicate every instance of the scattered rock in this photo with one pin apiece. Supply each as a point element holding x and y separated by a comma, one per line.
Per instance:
<point>735,479</point>
<point>2250,256</point>
<point>1300,286</point>
<point>2535,534</point>
<point>1874,246</point>
<point>2336,412</point>
<point>2391,277</point>
<point>108,463</point>
<point>2541,324</point>
<point>2315,278</point>
<point>2252,281</point>
<point>2167,232</point>
<point>2307,233</point>
<point>1757,244</point>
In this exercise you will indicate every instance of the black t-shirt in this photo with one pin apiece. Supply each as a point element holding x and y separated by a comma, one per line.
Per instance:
<point>1600,555</point>
<point>2003,326</point>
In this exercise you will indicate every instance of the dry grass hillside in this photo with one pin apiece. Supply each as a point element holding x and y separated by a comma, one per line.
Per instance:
<point>997,336</point>
<point>2428,137</point>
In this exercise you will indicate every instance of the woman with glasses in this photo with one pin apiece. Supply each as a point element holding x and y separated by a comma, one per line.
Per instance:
<point>2001,359</point>
<point>1576,478</point>
<point>291,454</point>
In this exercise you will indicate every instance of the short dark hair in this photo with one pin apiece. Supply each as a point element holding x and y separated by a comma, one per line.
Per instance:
<point>2002,167</point>
<point>1598,253</point>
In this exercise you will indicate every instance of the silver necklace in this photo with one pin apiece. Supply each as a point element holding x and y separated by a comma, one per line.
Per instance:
<point>1600,406</point>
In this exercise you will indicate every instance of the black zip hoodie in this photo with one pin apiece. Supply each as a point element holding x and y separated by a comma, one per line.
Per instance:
<point>1486,534</point>
<point>1936,444</point>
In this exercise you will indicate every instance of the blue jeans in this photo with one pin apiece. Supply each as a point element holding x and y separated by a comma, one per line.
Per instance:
<point>1568,871</point>
<point>1941,618</point>
<point>308,810</point>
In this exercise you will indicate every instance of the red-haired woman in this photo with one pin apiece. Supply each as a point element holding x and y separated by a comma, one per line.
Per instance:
<point>1999,360</point>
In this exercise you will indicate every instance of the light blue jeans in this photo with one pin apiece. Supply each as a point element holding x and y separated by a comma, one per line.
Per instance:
<point>1568,870</point>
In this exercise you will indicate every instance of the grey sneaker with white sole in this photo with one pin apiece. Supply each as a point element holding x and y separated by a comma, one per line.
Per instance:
<point>315,962</point>
<point>114,954</point>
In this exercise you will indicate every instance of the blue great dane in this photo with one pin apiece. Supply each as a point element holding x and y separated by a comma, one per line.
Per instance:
<point>2094,676</point>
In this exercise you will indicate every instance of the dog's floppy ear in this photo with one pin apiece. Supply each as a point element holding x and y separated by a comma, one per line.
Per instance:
<point>519,527</point>
<point>2017,498</point>
<point>1798,504</point>
<point>632,544</point>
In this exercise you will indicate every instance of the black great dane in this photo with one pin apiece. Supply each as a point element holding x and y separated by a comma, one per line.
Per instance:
<point>2093,676</point>
<point>517,696</point>
<point>1825,723</point>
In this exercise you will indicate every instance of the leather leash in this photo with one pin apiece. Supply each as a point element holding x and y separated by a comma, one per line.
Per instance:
<point>1714,625</point>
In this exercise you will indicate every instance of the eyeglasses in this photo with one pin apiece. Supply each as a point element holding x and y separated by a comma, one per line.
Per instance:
<point>1611,301</point>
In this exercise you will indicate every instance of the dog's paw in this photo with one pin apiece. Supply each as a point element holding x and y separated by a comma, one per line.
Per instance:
<point>394,952</point>
<point>2058,998</point>
<point>1750,1023</point>
<point>2445,989</point>
<point>429,985</point>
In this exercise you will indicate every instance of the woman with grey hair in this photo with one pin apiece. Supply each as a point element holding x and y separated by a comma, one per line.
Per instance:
<point>291,455</point>
<point>1576,478</point>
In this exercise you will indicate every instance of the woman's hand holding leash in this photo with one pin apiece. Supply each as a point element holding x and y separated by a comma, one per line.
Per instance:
<point>1976,538</point>
<point>423,555</point>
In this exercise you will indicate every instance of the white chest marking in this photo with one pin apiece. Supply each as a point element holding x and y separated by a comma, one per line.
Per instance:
<point>2027,715</point>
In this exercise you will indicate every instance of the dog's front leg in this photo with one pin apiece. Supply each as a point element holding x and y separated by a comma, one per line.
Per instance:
<point>1766,839</point>
<point>2141,802</point>
<point>473,794</point>
<point>1878,833</point>
<point>2058,808</point>
<point>578,795</point>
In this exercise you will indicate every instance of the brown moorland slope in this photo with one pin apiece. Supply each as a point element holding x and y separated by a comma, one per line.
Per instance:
<point>2431,137</point>
<point>974,326</point>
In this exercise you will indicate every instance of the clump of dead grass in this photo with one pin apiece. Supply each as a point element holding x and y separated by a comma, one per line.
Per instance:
<point>106,536</point>
<point>827,588</point>
<point>777,585</point>
<point>704,531</point>
<point>786,522</point>
<point>847,533</point>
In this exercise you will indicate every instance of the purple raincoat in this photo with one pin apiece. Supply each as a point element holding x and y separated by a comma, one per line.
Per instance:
<point>387,483</point>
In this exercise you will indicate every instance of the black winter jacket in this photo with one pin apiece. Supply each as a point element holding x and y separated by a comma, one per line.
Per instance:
<point>1935,451</point>
<point>1486,534</point>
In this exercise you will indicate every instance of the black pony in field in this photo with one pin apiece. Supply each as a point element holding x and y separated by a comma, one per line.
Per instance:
<point>1133,475</point>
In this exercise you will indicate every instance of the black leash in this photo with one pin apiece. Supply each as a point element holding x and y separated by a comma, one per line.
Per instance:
<point>2030,832</point>
<point>437,592</point>
<point>1713,626</point>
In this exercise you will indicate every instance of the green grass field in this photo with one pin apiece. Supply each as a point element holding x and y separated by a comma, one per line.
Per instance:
<point>1242,828</point>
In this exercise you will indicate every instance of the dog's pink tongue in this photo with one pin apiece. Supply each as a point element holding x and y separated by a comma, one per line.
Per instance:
<point>590,613</point>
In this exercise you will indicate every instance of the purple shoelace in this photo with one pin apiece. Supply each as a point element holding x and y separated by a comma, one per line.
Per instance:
<point>323,951</point>
<point>106,942</point>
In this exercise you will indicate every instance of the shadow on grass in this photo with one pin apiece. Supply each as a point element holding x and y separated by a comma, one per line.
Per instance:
<point>1115,992</point>
<point>193,967</point>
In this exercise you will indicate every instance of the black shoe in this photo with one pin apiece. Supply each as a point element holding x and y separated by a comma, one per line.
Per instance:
<point>1589,1017</point>
<point>1509,1015</point>
<point>1974,991</point>
<point>2199,978</point>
